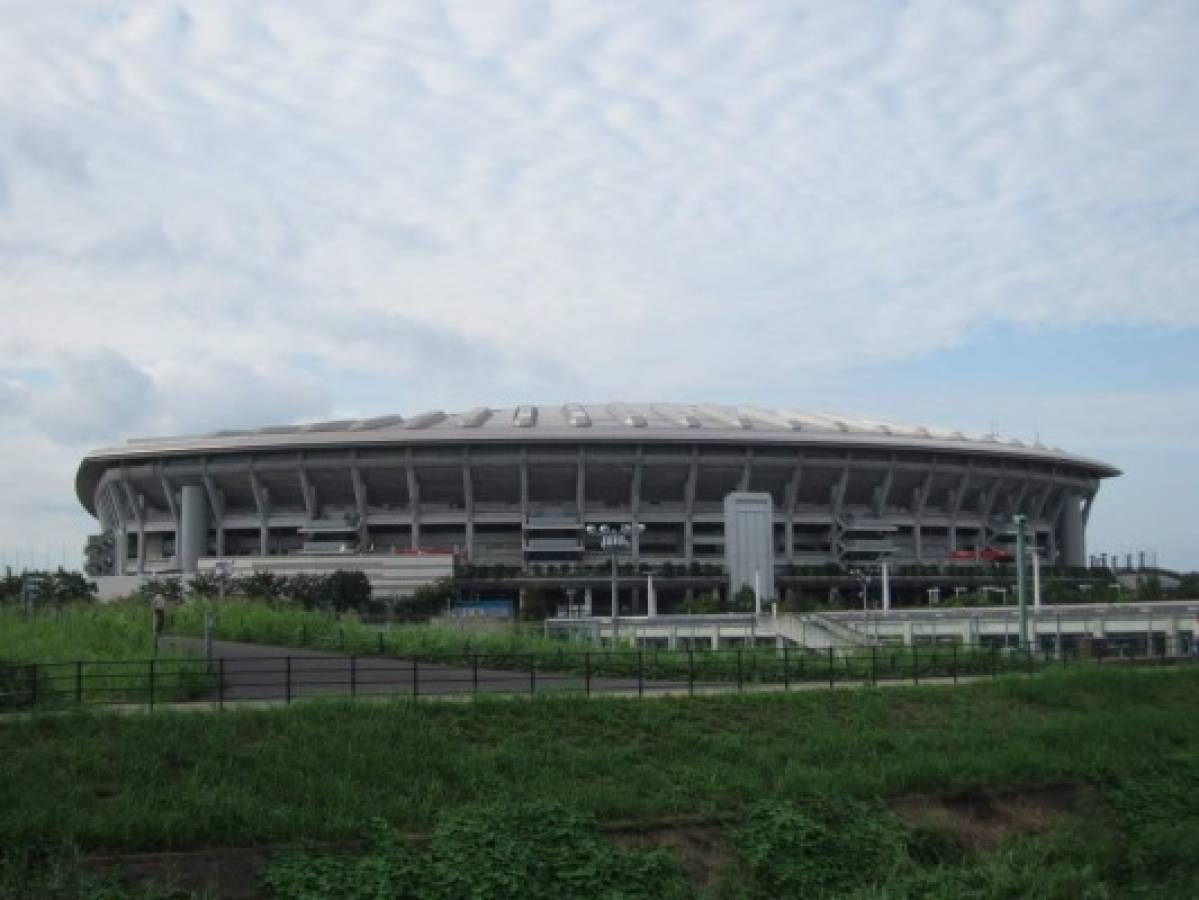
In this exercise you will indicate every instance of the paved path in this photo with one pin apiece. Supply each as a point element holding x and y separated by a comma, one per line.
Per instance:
<point>262,672</point>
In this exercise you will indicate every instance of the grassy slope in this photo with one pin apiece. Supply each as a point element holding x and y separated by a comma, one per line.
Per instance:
<point>320,770</point>
<point>77,632</point>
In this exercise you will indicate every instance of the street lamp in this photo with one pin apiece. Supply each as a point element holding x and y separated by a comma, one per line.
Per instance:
<point>613,539</point>
<point>863,576</point>
<point>1018,521</point>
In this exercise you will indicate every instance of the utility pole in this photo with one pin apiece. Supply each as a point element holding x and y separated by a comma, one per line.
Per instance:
<point>1021,588</point>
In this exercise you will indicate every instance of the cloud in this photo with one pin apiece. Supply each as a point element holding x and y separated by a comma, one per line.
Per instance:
<point>93,394</point>
<point>535,201</point>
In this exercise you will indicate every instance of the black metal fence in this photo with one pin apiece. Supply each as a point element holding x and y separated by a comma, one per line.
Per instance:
<point>644,672</point>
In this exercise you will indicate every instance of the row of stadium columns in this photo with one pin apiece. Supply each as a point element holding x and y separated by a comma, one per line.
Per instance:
<point>122,505</point>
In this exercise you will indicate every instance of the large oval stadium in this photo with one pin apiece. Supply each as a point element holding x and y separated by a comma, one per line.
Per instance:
<point>516,487</point>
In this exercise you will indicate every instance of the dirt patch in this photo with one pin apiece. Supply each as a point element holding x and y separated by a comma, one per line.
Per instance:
<point>702,850</point>
<point>982,820</point>
<point>225,872</point>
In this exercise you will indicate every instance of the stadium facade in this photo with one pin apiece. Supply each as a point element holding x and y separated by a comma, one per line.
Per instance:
<point>518,486</point>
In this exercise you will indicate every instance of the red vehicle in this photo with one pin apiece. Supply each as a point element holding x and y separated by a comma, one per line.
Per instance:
<point>986,554</point>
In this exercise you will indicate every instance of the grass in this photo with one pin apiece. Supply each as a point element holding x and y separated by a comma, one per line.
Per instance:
<point>87,653</point>
<point>323,768</point>
<point>491,781</point>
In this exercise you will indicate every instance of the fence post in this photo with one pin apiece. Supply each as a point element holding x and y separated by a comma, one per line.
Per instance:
<point>1028,656</point>
<point>287,679</point>
<point>151,685</point>
<point>832,668</point>
<point>641,672</point>
<point>380,643</point>
<point>915,663</point>
<point>415,678</point>
<point>786,669</point>
<point>873,666</point>
<point>690,670</point>
<point>994,660</point>
<point>587,672</point>
<point>955,663</point>
<point>739,674</point>
<point>474,669</point>
<point>78,683</point>
<point>532,673</point>
<point>220,685</point>
<point>353,677</point>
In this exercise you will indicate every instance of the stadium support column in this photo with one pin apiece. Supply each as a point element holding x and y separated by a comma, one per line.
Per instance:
<point>919,505</point>
<point>137,504</point>
<point>193,534</point>
<point>260,503</point>
<point>689,508</point>
<point>168,491</point>
<point>635,508</point>
<point>121,539</point>
<point>413,503</point>
<point>1073,542</point>
<point>361,504</point>
<point>790,501</point>
<point>218,512</point>
<point>468,507</point>
<point>581,487</point>
<point>959,497</point>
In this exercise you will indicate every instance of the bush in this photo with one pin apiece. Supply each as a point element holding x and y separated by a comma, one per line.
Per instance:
<point>821,848</point>
<point>504,850</point>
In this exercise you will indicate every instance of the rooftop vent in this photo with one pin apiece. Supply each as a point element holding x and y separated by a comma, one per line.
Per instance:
<point>576,416</point>
<point>376,422</point>
<point>338,425</point>
<point>475,417</point>
<point>425,419</point>
<point>525,417</point>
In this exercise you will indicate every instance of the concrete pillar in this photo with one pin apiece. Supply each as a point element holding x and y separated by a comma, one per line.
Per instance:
<point>1074,552</point>
<point>193,537</point>
<point>716,638</point>
<point>886,588</point>
<point>634,600</point>
<point>651,595</point>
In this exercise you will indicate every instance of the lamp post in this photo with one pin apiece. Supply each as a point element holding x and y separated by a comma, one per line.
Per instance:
<point>613,539</point>
<point>1035,556</point>
<point>1021,588</point>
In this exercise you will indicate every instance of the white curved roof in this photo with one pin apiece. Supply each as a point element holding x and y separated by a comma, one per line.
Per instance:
<point>633,419</point>
<point>592,422</point>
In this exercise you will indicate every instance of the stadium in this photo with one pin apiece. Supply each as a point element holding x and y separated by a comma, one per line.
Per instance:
<point>512,490</point>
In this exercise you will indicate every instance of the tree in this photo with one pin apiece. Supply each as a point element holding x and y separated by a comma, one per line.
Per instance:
<point>262,585</point>
<point>744,599</point>
<point>706,603</point>
<point>205,584</point>
<point>535,605</point>
<point>170,588</point>
<point>428,599</point>
<point>346,591</point>
<point>1149,588</point>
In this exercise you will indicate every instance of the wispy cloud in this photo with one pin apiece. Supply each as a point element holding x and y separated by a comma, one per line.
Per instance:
<point>534,198</point>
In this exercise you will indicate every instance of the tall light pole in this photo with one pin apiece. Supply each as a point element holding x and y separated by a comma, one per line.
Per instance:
<point>1035,556</point>
<point>615,538</point>
<point>1021,589</point>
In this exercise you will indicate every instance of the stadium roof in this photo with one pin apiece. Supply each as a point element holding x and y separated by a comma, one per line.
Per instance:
<point>596,422</point>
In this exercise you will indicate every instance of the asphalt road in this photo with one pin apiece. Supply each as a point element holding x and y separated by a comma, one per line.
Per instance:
<point>261,672</point>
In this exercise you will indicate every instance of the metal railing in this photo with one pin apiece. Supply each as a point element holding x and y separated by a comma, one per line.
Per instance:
<point>641,672</point>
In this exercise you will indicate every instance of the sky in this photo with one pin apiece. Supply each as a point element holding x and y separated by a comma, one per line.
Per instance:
<point>975,215</point>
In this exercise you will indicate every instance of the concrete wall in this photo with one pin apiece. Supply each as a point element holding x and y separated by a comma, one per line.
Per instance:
<point>399,574</point>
